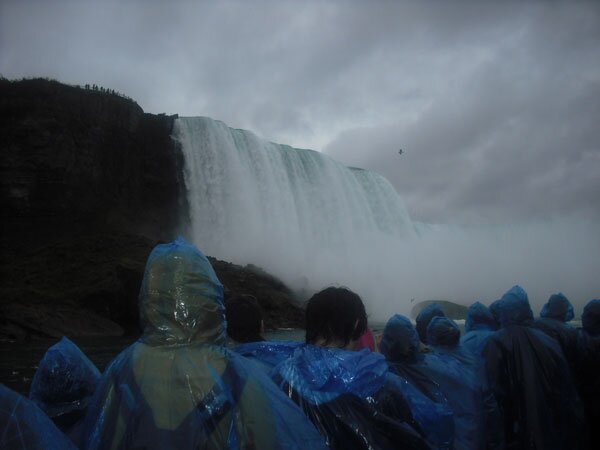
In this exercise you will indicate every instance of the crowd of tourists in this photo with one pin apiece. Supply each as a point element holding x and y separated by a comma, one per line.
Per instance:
<point>202,376</point>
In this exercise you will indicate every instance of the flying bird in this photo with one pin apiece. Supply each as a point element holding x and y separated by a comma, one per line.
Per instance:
<point>400,151</point>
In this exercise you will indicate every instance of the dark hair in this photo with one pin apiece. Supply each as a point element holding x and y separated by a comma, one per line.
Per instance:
<point>335,314</point>
<point>244,318</point>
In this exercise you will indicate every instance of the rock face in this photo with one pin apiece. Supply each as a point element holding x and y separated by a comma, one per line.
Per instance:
<point>89,184</point>
<point>276,300</point>
<point>75,158</point>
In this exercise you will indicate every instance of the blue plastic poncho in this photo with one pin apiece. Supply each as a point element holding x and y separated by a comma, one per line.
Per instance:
<point>513,308</point>
<point>553,316</point>
<point>479,317</point>
<point>442,331</point>
<point>590,319</point>
<point>63,384</point>
<point>23,426</point>
<point>531,381</point>
<point>268,353</point>
<point>345,395</point>
<point>558,307</point>
<point>495,313</point>
<point>479,326</point>
<point>430,408</point>
<point>587,368</point>
<point>178,386</point>
<point>424,317</point>
<point>463,380</point>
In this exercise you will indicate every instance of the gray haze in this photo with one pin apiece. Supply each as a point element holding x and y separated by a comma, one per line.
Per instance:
<point>495,104</point>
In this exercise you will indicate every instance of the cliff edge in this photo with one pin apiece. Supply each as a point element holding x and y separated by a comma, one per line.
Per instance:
<point>89,184</point>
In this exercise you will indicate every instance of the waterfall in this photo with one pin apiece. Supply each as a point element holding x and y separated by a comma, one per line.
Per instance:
<point>314,222</point>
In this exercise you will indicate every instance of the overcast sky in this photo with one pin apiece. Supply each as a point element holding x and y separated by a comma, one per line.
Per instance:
<point>495,104</point>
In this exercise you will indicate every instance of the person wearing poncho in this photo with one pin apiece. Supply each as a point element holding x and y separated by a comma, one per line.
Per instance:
<point>463,380</point>
<point>479,326</point>
<point>553,321</point>
<point>531,381</point>
<point>587,368</point>
<point>348,395</point>
<point>63,385</point>
<point>400,346</point>
<point>178,386</point>
<point>424,317</point>
<point>23,426</point>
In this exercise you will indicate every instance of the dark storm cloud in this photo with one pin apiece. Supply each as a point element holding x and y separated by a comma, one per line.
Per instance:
<point>495,103</point>
<point>514,138</point>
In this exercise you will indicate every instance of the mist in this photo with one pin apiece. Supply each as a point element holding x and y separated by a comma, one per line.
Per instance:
<point>313,222</point>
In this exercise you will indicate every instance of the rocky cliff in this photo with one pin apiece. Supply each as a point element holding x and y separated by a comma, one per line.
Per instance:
<point>77,158</point>
<point>89,184</point>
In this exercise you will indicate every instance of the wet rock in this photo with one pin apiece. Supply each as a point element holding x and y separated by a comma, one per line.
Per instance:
<point>89,185</point>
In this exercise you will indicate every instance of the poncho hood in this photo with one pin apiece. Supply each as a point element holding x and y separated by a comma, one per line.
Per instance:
<point>64,381</point>
<point>479,317</point>
<point>590,319</point>
<point>558,307</point>
<point>400,341</point>
<point>443,331</point>
<point>514,309</point>
<point>181,298</point>
<point>424,317</point>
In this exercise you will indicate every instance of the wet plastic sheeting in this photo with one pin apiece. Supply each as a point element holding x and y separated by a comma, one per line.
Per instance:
<point>477,415</point>
<point>480,324</point>
<point>321,374</point>
<point>424,317</point>
<point>587,369</point>
<point>464,395</point>
<point>64,381</point>
<point>178,386</point>
<point>23,426</point>
<point>531,382</point>
<point>432,372</point>
<point>553,317</point>
<point>476,340</point>
<point>268,353</point>
<point>479,317</point>
<point>346,396</point>
<point>590,319</point>
<point>435,417</point>
<point>561,332</point>
<point>558,307</point>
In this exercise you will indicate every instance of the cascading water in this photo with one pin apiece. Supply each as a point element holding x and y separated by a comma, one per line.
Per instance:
<point>313,222</point>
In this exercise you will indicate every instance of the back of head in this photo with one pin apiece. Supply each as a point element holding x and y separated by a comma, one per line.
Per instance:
<point>479,317</point>
<point>590,319</point>
<point>335,317</point>
<point>181,298</point>
<point>514,309</point>
<point>424,317</point>
<point>244,318</point>
<point>558,307</point>
<point>443,331</point>
<point>400,341</point>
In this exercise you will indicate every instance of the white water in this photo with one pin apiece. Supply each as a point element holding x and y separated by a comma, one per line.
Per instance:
<point>313,222</point>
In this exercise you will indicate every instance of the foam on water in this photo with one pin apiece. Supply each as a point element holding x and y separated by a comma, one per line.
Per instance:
<point>313,222</point>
